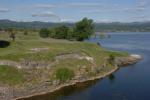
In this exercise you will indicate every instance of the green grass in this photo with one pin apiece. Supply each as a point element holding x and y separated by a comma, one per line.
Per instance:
<point>64,74</point>
<point>117,53</point>
<point>20,49</point>
<point>10,75</point>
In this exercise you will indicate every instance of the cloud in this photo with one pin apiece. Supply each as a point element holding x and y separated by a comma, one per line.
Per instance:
<point>93,11</point>
<point>141,18</point>
<point>44,6</point>
<point>67,20</point>
<point>140,9</point>
<point>83,5</point>
<point>134,9</point>
<point>104,21</point>
<point>106,10</point>
<point>47,15</point>
<point>67,5</point>
<point>53,15</point>
<point>142,3</point>
<point>4,10</point>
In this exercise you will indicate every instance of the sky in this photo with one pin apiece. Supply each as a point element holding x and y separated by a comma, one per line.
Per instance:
<point>75,10</point>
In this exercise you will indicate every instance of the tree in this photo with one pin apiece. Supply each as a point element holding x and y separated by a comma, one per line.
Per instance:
<point>61,32</point>
<point>83,29</point>
<point>52,33</point>
<point>70,35</point>
<point>12,34</point>
<point>44,33</point>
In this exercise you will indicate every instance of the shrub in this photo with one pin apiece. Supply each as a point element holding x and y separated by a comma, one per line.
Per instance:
<point>64,74</point>
<point>111,59</point>
<point>25,33</point>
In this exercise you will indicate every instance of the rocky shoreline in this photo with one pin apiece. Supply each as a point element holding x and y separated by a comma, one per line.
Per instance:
<point>73,82</point>
<point>122,61</point>
<point>44,88</point>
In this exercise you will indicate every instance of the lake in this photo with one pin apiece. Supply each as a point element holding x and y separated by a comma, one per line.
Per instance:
<point>128,83</point>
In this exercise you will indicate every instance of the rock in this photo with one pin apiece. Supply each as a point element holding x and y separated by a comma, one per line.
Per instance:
<point>56,82</point>
<point>38,49</point>
<point>136,56</point>
<point>132,59</point>
<point>10,63</point>
<point>6,93</point>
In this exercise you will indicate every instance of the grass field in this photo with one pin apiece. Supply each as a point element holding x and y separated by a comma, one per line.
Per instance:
<point>10,75</point>
<point>24,48</point>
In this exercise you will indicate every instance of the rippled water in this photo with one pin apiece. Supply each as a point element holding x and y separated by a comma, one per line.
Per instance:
<point>128,83</point>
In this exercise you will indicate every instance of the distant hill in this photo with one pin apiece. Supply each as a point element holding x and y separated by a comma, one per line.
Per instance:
<point>134,26</point>
<point>34,24</point>
<point>105,27</point>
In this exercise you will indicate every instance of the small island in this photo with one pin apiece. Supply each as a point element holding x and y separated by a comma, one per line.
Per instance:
<point>36,62</point>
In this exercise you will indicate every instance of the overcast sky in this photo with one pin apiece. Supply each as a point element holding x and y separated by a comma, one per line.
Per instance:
<point>74,10</point>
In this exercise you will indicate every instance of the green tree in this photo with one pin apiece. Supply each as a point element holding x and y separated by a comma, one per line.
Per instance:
<point>61,32</point>
<point>52,33</point>
<point>83,29</point>
<point>70,35</point>
<point>44,33</point>
<point>12,34</point>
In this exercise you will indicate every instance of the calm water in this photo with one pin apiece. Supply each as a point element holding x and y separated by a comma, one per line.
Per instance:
<point>128,83</point>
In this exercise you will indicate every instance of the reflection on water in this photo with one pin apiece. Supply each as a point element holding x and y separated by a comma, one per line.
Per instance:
<point>111,77</point>
<point>128,83</point>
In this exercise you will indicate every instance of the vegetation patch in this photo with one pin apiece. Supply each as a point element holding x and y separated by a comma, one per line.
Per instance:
<point>117,54</point>
<point>10,75</point>
<point>82,30</point>
<point>64,74</point>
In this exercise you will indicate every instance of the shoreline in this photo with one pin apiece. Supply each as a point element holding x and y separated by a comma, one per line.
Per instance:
<point>124,61</point>
<point>70,84</point>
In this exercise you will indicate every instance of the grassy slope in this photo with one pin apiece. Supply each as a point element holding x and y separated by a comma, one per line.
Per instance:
<point>10,75</point>
<point>20,49</point>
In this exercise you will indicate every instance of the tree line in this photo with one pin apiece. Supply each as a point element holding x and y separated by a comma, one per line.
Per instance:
<point>80,31</point>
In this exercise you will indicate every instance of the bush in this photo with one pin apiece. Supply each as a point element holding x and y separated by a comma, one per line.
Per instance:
<point>25,33</point>
<point>44,33</point>
<point>111,59</point>
<point>64,74</point>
